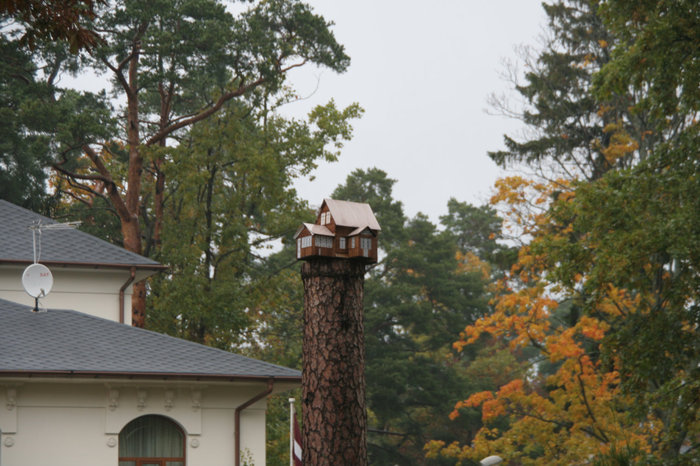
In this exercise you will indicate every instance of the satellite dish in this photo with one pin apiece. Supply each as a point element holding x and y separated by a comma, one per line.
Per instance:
<point>37,280</point>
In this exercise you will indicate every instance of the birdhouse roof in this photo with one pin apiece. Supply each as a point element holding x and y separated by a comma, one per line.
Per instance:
<point>314,230</point>
<point>352,214</point>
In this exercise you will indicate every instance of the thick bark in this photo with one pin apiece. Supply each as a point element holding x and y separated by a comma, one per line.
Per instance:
<point>333,377</point>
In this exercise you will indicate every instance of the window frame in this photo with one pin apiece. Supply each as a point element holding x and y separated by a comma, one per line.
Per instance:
<point>160,460</point>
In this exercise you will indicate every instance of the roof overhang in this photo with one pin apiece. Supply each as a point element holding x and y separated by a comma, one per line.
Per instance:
<point>143,270</point>
<point>147,376</point>
<point>90,265</point>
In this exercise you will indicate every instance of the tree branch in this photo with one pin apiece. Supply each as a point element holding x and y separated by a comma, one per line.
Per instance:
<point>112,191</point>
<point>163,133</point>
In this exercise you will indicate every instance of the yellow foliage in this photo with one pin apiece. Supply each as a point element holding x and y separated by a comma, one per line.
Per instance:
<point>582,411</point>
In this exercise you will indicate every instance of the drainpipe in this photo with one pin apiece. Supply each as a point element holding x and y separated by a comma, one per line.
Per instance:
<point>132,275</point>
<point>237,418</point>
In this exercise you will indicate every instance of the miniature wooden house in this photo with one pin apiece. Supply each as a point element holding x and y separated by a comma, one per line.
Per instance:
<point>343,229</point>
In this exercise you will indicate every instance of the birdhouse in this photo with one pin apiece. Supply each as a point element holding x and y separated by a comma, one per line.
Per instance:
<point>343,229</point>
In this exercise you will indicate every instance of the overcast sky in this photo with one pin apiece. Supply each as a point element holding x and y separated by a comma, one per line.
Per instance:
<point>423,72</point>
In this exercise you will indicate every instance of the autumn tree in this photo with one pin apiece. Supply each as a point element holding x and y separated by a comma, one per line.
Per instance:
<point>60,20</point>
<point>605,289</point>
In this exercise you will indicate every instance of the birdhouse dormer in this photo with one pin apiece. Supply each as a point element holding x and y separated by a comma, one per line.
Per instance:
<point>343,229</point>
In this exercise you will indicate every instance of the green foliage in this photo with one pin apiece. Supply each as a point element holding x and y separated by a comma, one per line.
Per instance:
<point>572,129</point>
<point>416,299</point>
<point>658,50</point>
<point>477,230</point>
<point>229,197</point>
<point>643,236</point>
<point>23,139</point>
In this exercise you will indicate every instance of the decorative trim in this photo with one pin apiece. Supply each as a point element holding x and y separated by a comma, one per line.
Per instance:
<point>194,443</point>
<point>196,400</point>
<point>9,441</point>
<point>141,396</point>
<point>169,399</point>
<point>113,399</point>
<point>11,401</point>
<point>111,442</point>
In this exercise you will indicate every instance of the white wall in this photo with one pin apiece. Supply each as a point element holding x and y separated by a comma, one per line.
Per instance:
<point>77,422</point>
<point>91,291</point>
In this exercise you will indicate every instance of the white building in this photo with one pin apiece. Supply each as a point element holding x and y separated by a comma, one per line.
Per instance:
<point>77,387</point>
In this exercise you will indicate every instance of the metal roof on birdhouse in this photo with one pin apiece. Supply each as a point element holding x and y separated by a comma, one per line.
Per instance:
<point>352,214</point>
<point>343,230</point>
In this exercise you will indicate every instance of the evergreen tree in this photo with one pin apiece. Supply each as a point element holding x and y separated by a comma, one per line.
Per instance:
<point>415,299</point>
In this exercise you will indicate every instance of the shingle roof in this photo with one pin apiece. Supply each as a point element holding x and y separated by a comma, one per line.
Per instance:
<point>352,214</point>
<point>58,246</point>
<point>63,342</point>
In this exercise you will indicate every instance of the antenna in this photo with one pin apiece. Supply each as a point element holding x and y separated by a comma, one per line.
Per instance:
<point>39,227</point>
<point>37,279</point>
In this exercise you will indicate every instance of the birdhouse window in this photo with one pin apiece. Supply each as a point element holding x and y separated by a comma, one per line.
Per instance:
<point>352,243</point>
<point>341,243</point>
<point>305,241</point>
<point>323,241</point>
<point>366,243</point>
<point>325,218</point>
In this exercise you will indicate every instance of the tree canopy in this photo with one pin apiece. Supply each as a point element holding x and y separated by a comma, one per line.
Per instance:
<point>603,298</point>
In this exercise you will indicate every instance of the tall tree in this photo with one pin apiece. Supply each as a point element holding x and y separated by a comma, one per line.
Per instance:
<point>173,65</point>
<point>571,131</point>
<point>230,198</point>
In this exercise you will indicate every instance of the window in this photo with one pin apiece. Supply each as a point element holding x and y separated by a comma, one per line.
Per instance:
<point>352,242</point>
<point>151,441</point>
<point>323,241</point>
<point>305,241</point>
<point>341,243</point>
<point>323,218</point>
<point>365,245</point>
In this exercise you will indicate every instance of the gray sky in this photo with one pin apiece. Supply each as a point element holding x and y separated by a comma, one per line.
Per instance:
<point>423,72</point>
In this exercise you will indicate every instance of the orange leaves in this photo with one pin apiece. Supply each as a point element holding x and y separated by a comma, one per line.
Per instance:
<point>592,328</point>
<point>477,399</point>
<point>492,405</point>
<point>468,262</point>
<point>574,407</point>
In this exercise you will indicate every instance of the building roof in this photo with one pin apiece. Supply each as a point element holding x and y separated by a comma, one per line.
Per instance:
<point>59,247</point>
<point>352,214</point>
<point>70,343</point>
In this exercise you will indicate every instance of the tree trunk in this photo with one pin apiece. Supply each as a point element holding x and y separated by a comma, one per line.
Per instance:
<point>333,376</point>
<point>132,230</point>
